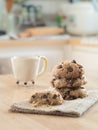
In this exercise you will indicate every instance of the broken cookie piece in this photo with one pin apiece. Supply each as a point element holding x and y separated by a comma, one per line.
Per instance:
<point>46,97</point>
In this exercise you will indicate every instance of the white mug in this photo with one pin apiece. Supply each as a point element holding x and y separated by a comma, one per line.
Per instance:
<point>25,69</point>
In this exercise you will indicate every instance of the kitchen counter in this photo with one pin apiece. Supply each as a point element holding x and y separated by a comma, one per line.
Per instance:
<point>9,94</point>
<point>62,39</point>
<point>25,43</point>
<point>33,41</point>
<point>91,41</point>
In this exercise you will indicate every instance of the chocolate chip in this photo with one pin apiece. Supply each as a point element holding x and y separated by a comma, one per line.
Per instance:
<point>74,61</point>
<point>54,79</point>
<point>33,82</point>
<point>68,79</point>
<point>80,66</point>
<point>82,87</point>
<point>47,93</point>
<point>69,69</point>
<point>44,96</point>
<point>59,67</point>
<point>64,97</point>
<point>33,96</point>
<point>67,93</point>
<point>17,82</point>
<point>25,83</point>
<point>47,100</point>
<point>59,77</point>
<point>75,88</point>
<point>54,96</point>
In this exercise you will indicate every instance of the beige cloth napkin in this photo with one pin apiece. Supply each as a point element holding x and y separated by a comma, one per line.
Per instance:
<point>73,108</point>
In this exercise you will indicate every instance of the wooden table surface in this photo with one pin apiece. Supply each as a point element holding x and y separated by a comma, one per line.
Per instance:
<point>10,93</point>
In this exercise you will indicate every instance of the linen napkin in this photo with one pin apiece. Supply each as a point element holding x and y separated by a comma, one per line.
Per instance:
<point>72,108</point>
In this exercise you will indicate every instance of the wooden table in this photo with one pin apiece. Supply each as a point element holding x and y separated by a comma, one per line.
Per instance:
<point>10,93</point>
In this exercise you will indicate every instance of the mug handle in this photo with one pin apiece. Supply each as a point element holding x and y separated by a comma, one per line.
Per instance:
<point>45,66</point>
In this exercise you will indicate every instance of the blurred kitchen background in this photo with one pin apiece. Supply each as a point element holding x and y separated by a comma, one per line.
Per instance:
<point>16,15</point>
<point>60,30</point>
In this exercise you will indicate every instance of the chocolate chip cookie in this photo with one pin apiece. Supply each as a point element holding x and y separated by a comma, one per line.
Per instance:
<point>68,83</point>
<point>68,69</point>
<point>46,97</point>
<point>71,94</point>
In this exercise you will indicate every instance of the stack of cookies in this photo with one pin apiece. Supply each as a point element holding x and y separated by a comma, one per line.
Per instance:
<point>68,79</point>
